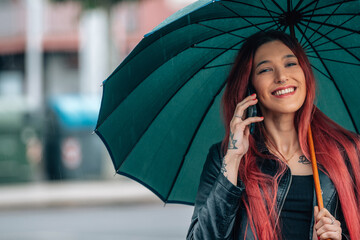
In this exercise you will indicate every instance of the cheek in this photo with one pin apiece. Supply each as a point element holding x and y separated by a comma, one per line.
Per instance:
<point>258,85</point>
<point>262,92</point>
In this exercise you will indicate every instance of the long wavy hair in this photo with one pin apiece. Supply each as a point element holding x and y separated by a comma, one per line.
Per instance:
<point>337,149</point>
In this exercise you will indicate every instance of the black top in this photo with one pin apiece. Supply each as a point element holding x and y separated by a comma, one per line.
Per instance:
<point>297,210</point>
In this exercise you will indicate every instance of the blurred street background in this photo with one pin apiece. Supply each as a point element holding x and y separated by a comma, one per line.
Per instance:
<point>57,180</point>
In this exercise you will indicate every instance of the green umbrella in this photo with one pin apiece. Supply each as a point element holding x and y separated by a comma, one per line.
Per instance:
<point>160,110</point>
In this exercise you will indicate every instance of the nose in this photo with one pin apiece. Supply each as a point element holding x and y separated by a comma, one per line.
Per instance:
<point>280,76</point>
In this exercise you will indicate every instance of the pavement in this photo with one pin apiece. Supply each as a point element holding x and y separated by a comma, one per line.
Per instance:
<point>74,193</point>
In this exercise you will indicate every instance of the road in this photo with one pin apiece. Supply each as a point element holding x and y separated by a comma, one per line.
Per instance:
<point>130,222</point>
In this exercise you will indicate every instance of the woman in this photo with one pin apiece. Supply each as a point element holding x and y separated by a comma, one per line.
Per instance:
<point>259,185</point>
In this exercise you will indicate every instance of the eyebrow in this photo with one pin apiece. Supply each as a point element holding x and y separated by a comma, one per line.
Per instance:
<point>266,61</point>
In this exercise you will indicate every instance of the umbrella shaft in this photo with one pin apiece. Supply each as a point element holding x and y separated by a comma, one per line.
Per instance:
<point>315,170</point>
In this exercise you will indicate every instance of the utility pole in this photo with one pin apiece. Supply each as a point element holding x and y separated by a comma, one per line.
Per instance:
<point>94,50</point>
<point>34,54</point>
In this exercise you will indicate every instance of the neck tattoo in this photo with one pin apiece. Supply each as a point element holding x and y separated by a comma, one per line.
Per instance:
<point>304,160</point>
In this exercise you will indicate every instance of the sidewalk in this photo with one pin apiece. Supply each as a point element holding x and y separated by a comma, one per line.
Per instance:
<point>67,193</point>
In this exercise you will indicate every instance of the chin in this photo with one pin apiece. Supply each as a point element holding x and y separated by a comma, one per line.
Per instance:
<point>282,109</point>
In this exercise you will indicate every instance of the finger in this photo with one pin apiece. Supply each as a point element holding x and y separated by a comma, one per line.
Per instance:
<point>247,132</point>
<point>334,235</point>
<point>323,213</point>
<point>250,120</point>
<point>327,224</point>
<point>247,99</point>
<point>316,211</point>
<point>243,126</point>
<point>240,109</point>
<point>252,96</point>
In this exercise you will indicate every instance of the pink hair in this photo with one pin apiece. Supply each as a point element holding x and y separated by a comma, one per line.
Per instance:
<point>336,148</point>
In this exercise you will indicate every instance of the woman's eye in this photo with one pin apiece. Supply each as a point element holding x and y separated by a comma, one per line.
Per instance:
<point>264,70</point>
<point>290,64</point>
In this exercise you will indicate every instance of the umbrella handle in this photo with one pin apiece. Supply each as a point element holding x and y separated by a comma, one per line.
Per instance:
<point>315,171</point>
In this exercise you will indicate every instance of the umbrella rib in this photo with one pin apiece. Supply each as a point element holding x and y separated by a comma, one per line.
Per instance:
<point>339,45</point>
<point>203,40</point>
<point>241,16</point>
<point>117,170</point>
<point>325,6</point>
<point>228,32</point>
<point>216,48</point>
<point>317,30</point>
<point>306,6</point>
<point>250,5</point>
<point>130,56</point>
<point>346,35</point>
<point>197,128</point>
<point>334,49</point>
<point>224,32</point>
<point>289,5</point>
<point>269,13</point>
<point>220,65</point>
<point>333,14</point>
<point>276,4</point>
<point>333,80</point>
<point>332,31</point>
<point>331,40</point>
<point>306,28</point>
<point>194,135</point>
<point>298,4</point>
<point>321,72</point>
<point>337,61</point>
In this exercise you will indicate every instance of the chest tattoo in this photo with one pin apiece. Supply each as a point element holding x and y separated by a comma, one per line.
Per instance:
<point>304,160</point>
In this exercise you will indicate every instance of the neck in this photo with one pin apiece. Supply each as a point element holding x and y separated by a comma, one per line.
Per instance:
<point>281,133</point>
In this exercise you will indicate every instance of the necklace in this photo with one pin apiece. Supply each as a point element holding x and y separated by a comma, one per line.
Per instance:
<point>273,150</point>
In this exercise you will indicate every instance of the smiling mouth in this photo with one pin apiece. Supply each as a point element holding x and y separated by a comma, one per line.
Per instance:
<point>284,91</point>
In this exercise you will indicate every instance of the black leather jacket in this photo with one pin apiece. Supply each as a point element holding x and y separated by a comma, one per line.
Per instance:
<point>218,213</point>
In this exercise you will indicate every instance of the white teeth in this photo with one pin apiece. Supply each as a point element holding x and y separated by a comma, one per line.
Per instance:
<point>284,91</point>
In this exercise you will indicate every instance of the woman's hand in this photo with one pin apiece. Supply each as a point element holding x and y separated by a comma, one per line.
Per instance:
<point>326,227</point>
<point>239,138</point>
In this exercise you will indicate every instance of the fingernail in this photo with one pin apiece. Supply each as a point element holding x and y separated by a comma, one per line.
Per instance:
<point>318,238</point>
<point>253,95</point>
<point>262,117</point>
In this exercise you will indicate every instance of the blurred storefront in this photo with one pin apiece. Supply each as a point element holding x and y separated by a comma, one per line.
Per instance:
<point>53,59</point>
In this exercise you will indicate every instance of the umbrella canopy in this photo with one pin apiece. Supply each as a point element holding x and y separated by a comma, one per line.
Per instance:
<point>160,109</point>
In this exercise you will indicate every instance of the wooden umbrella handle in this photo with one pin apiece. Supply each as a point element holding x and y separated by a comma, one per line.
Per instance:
<point>315,171</point>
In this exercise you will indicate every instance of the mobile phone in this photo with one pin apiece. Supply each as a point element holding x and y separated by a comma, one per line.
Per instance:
<point>251,111</point>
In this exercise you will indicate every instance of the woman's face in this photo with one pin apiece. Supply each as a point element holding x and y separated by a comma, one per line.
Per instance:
<point>278,79</point>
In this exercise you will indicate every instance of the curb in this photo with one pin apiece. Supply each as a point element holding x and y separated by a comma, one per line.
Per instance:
<point>60,194</point>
